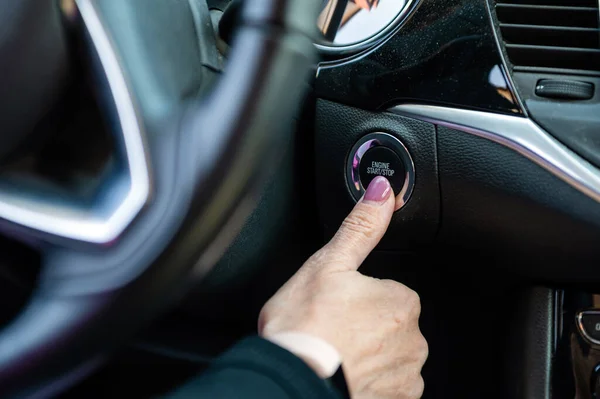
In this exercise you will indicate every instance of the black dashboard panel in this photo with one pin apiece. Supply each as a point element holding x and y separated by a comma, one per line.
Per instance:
<point>500,205</point>
<point>493,201</point>
<point>472,196</point>
<point>445,54</point>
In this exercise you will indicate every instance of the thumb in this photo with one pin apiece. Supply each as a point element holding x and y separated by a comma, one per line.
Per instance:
<point>362,230</point>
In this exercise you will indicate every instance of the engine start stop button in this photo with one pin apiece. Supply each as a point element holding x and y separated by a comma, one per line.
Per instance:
<point>380,154</point>
<point>382,161</point>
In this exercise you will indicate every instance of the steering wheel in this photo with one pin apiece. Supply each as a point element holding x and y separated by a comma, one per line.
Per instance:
<point>185,179</point>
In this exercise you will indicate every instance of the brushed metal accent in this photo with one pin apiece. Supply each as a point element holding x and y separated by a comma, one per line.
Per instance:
<point>581,328</point>
<point>520,134</point>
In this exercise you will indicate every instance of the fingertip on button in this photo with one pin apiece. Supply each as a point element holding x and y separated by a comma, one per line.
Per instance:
<point>378,191</point>
<point>380,155</point>
<point>385,162</point>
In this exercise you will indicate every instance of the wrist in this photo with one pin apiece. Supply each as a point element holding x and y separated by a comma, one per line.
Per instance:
<point>317,353</point>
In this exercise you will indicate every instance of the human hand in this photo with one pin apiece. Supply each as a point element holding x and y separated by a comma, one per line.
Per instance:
<point>373,324</point>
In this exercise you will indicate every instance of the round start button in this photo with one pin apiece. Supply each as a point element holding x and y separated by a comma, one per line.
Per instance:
<point>380,154</point>
<point>382,161</point>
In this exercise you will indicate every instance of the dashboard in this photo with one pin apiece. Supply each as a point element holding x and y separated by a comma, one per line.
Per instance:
<point>496,105</point>
<point>441,52</point>
<point>492,109</point>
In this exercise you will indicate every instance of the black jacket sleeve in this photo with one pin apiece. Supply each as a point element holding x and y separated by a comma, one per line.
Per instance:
<point>257,368</point>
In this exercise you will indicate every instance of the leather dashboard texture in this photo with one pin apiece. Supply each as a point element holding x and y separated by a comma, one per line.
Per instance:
<point>499,203</point>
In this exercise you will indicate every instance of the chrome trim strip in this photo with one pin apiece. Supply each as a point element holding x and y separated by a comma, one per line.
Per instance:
<point>139,170</point>
<point>579,322</point>
<point>519,134</point>
<point>95,224</point>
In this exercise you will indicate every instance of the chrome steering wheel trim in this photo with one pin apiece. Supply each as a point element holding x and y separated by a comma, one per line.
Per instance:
<point>108,216</point>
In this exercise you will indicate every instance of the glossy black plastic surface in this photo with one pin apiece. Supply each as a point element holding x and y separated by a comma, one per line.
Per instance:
<point>446,53</point>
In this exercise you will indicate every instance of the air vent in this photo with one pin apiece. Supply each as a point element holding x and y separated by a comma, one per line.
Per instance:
<point>551,34</point>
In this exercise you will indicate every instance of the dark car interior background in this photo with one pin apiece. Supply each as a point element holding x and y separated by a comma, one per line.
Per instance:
<point>489,110</point>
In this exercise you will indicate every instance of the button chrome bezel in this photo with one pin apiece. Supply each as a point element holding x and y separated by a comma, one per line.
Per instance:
<point>380,139</point>
<point>581,328</point>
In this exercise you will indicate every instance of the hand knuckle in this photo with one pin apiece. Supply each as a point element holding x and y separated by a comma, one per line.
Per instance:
<point>359,222</point>
<point>413,297</point>
<point>397,291</point>
<point>414,386</point>
<point>403,294</point>
<point>414,301</point>
<point>423,349</point>
<point>411,386</point>
<point>418,387</point>
<point>390,388</point>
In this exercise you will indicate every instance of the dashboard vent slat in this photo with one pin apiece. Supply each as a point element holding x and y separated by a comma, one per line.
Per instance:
<point>560,34</point>
<point>585,17</point>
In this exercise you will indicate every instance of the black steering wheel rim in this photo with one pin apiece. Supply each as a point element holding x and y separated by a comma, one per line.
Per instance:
<point>193,170</point>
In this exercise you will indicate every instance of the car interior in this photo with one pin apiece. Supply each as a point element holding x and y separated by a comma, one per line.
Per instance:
<point>166,165</point>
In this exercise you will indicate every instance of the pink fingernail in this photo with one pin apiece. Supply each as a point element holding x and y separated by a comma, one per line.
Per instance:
<point>379,190</point>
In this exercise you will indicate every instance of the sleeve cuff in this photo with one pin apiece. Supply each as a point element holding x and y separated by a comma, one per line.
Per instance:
<point>318,353</point>
<point>281,365</point>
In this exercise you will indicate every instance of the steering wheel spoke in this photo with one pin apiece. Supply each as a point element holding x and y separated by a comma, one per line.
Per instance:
<point>192,148</point>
